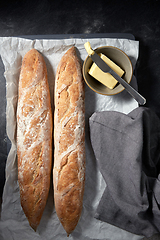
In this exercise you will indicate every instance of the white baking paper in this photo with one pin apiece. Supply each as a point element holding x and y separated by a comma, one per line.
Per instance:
<point>13,223</point>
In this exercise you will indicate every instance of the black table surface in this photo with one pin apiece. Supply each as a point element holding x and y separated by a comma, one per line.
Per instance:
<point>48,17</point>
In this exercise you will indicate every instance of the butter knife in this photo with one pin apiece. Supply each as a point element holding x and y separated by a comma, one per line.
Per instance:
<point>105,68</point>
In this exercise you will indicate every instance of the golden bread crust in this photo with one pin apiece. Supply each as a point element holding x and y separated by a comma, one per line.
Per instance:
<point>34,136</point>
<point>69,140</point>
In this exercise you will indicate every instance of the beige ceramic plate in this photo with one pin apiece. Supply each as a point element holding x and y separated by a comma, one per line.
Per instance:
<point>117,56</point>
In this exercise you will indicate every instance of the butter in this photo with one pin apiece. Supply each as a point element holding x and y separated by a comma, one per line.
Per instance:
<point>88,48</point>
<point>106,78</point>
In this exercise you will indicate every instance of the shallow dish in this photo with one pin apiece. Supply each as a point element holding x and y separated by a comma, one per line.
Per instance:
<point>118,57</point>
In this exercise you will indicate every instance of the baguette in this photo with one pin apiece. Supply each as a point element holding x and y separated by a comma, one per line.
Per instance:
<point>69,141</point>
<point>34,136</point>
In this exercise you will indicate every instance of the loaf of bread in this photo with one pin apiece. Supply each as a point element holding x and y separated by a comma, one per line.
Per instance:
<point>69,141</point>
<point>34,136</point>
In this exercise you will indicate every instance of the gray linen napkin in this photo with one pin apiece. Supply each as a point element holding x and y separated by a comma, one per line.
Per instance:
<point>127,149</point>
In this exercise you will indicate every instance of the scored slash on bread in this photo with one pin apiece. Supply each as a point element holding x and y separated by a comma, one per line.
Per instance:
<point>69,141</point>
<point>34,136</point>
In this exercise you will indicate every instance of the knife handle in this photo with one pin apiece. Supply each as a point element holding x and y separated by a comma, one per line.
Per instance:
<point>138,97</point>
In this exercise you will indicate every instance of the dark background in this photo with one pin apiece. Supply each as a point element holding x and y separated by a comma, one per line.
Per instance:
<point>38,17</point>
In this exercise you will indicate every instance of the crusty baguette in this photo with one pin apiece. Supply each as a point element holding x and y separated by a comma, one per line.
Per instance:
<point>34,136</point>
<point>69,141</point>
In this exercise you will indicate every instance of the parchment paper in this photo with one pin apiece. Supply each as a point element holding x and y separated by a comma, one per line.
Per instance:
<point>13,223</point>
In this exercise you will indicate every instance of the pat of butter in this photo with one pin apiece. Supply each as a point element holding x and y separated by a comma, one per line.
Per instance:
<point>106,78</point>
<point>88,48</point>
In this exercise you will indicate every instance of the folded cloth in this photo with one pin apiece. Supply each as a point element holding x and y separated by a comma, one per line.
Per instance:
<point>127,149</point>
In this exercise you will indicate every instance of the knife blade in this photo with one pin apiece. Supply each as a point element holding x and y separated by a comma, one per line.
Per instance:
<point>105,68</point>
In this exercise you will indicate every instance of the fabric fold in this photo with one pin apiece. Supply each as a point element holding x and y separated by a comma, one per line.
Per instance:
<point>127,149</point>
